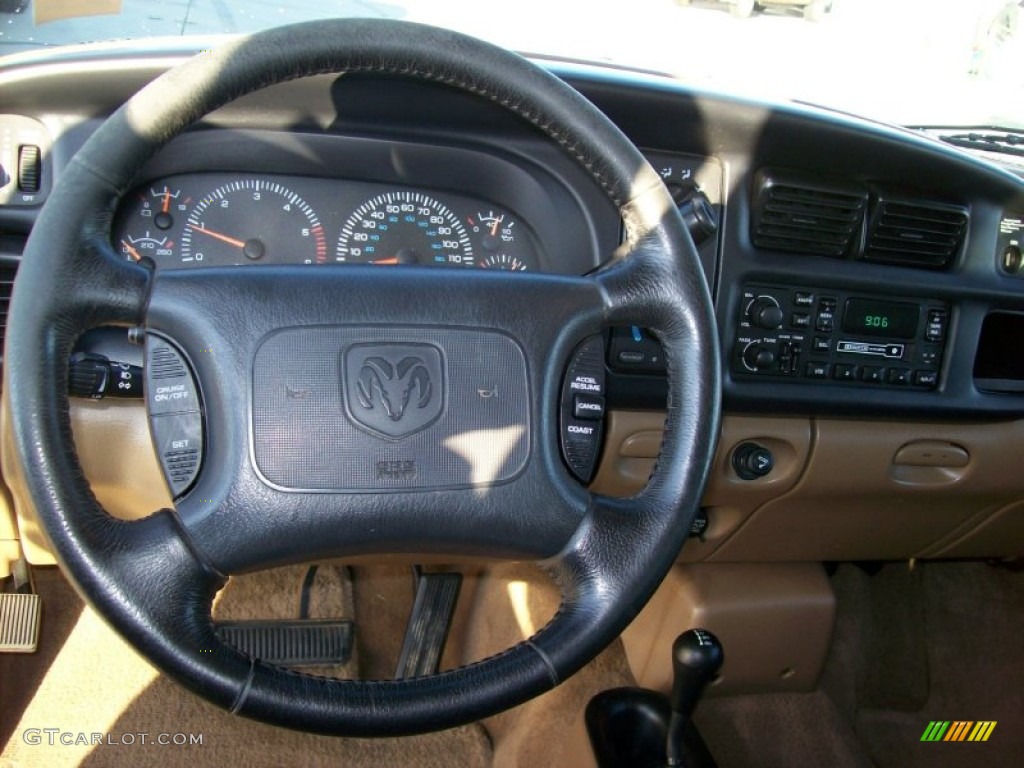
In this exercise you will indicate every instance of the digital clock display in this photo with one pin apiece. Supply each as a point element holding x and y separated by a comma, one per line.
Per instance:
<point>893,320</point>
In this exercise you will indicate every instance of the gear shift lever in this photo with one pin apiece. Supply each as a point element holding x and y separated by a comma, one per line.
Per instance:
<point>697,656</point>
<point>641,728</point>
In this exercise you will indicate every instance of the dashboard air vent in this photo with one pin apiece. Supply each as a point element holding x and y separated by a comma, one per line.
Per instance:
<point>7,272</point>
<point>801,215</point>
<point>915,234</point>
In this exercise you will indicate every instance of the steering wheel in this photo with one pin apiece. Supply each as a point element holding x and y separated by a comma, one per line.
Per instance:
<point>244,331</point>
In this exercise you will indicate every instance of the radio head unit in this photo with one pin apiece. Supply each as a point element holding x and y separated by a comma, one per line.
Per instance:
<point>819,335</point>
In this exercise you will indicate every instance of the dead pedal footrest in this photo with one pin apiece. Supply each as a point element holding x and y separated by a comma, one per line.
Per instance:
<point>19,622</point>
<point>300,642</point>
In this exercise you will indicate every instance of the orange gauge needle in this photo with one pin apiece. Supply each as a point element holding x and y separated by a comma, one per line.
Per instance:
<point>131,251</point>
<point>392,260</point>
<point>494,227</point>
<point>219,236</point>
<point>167,200</point>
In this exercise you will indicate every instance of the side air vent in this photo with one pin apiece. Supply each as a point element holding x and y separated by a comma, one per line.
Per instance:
<point>915,234</point>
<point>7,272</point>
<point>798,214</point>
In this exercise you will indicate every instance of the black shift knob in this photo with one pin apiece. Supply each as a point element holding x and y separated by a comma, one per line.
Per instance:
<point>697,656</point>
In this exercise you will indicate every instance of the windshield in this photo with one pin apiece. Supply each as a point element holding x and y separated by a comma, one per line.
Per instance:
<point>909,62</point>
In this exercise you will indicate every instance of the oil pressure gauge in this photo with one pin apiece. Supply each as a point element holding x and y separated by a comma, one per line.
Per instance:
<point>504,245</point>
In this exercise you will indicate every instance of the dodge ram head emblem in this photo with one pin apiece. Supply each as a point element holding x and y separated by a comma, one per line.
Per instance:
<point>394,390</point>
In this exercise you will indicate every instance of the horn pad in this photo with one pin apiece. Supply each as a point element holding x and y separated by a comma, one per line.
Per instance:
<point>364,408</point>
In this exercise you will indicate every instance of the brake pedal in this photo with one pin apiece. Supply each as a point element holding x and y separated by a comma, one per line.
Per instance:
<point>429,623</point>
<point>20,613</point>
<point>302,642</point>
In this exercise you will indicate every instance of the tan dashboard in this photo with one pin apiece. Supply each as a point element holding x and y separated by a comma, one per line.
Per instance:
<point>838,490</point>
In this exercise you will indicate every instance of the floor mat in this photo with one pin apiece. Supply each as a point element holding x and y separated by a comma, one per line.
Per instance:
<point>973,624</point>
<point>941,641</point>
<point>85,680</point>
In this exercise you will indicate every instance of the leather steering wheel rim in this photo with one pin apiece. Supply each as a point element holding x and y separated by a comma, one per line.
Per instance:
<point>154,579</point>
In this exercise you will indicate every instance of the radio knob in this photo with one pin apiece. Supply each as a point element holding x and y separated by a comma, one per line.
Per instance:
<point>764,312</point>
<point>757,357</point>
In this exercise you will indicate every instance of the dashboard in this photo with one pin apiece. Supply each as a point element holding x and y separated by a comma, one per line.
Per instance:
<point>866,278</point>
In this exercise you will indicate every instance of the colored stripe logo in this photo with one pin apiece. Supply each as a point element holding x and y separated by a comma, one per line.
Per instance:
<point>958,730</point>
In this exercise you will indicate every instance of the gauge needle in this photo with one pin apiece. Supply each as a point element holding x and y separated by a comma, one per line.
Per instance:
<point>392,260</point>
<point>167,200</point>
<point>494,227</point>
<point>219,236</point>
<point>131,251</point>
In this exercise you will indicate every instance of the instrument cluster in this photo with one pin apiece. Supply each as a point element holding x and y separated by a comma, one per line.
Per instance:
<point>220,219</point>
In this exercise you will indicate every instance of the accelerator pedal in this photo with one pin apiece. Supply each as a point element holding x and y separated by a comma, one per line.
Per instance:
<point>298,642</point>
<point>20,613</point>
<point>429,623</point>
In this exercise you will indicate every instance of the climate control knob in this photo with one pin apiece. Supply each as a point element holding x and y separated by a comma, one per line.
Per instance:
<point>765,312</point>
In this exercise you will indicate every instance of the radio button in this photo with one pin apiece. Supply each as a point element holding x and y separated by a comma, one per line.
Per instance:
<point>900,376</point>
<point>872,374</point>
<point>926,378</point>
<point>936,328</point>
<point>803,299</point>
<point>800,320</point>
<point>844,372</point>
<point>822,344</point>
<point>826,322</point>
<point>817,370</point>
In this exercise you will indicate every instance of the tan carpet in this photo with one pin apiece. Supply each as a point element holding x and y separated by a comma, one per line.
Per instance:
<point>85,679</point>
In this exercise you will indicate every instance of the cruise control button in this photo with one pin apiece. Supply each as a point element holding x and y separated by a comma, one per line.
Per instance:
<point>588,407</point>
<point>582,408</point>
<point>170,387</point>
<point>179,444</point>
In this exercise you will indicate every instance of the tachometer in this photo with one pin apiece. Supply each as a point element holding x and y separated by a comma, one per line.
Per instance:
<point>252,220</point>
<point>404,228</point>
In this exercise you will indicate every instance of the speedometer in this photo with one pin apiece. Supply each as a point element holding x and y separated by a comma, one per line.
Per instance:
<point>404,228</point>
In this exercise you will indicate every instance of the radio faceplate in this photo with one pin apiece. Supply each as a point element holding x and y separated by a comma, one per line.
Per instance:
<point>825,336</point>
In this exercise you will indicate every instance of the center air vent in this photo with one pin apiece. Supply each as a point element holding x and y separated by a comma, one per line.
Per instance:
<point>797,214</point>
<point>915,234</point>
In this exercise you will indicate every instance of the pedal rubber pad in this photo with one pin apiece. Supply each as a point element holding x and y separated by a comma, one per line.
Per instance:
<point>427,632</point>
<point>19,622</point>
<point>299,642</point>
